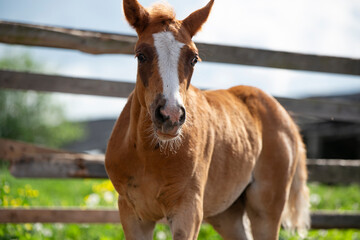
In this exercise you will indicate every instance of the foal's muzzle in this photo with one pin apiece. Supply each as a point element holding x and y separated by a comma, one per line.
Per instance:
<point>168,120</point>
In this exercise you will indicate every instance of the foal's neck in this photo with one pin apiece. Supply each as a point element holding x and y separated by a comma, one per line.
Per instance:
<point>140,129</point>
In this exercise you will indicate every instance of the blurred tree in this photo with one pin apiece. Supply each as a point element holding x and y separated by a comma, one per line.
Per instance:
<point>31,116</point>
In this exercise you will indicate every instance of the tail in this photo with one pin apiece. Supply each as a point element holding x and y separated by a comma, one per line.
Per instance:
<point>296,215</point>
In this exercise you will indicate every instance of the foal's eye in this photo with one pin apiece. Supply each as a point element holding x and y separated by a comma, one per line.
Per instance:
<point>194,60</point>
<point>141,58</point>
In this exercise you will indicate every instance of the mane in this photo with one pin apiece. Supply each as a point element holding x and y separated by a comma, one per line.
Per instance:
<point>161,11</point>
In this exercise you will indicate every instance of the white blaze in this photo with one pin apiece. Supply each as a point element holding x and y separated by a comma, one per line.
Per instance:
<point>168,50</point>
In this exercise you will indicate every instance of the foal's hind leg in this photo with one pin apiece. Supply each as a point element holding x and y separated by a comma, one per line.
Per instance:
<point>229,224</point>
<point>266,197</point>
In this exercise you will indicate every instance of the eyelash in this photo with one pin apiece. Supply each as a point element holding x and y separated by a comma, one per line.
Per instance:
<point>141,58</point>
<point>194,60</point>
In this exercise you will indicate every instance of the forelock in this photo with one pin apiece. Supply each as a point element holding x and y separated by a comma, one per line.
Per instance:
<point>161,11</point>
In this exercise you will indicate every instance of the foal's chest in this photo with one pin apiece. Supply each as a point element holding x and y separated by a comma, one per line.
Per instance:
<point>140,189</point>
<point>151,182</point>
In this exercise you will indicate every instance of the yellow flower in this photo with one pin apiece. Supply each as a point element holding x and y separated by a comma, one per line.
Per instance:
<point>34,193</point>
<point>103,187</point>
<point>16,202</point>
<point>21,192</point>
<point>28,226</point>
<point>6,188</point>
<point>109,186</point>
<point>29,191</point>
<point>6,201</point>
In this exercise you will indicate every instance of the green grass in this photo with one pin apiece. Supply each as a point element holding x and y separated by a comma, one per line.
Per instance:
<point>90,193</point>
<point>340,198</point>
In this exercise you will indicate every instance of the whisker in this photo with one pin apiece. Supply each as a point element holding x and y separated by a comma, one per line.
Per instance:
<point>166,147</point>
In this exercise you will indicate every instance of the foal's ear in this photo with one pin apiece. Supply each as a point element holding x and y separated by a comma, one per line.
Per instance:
<point>195,20</point>
<point>136,15</point>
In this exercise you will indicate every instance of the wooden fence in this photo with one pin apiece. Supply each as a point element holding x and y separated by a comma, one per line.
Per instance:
<point>99,43</point>
<point>32,161</point>
<point>342,111</point>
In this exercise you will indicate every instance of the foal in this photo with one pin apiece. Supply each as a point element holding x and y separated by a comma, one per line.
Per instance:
<point>188,155</point>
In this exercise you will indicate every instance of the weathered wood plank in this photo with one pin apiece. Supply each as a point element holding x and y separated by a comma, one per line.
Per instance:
<point>59,165</point>
<point>278,59</point>
<point>330,171</point>
<point>52,83</point>
<point>98,43</point>
<point>89,166</point>
<point>40,82</point>
<point>12,150</point>
<point>327,109</point>
<point>319,220</point>
<point>36,215</point>
<point>329,220</point>
<point>28,160</point>
<point>58,37</point>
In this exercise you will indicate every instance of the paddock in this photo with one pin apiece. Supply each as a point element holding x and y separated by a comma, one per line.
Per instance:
<point>31,161</point>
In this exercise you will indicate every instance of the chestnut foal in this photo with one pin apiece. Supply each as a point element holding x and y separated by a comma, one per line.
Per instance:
<point>188,155</point>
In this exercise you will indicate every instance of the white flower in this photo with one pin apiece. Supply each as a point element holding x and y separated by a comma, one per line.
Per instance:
<point>315,199</point>
<point>108,197</point>
<point>161,235</point>
<point>47,232</point>
<point>59,226</point>
<point>38,227</point>
<point>93,200</point>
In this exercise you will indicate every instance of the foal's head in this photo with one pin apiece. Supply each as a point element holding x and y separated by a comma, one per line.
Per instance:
<point>166,59</point>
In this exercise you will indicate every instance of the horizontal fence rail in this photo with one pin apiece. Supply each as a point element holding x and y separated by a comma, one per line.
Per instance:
<point>100,43</point>
<point>90,166</point>
<point>74,85</point>
<point>28,161</point>
<point>334,171</point>
<point>47,215</point>
<point>319,220</point>
<point>345,111</point>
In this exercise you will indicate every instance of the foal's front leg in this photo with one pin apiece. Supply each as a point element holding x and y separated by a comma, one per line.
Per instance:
<point>186,219</point>
<point>134,228</point>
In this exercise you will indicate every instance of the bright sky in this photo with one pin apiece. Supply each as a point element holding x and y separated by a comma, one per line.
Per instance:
<point>327,27</point>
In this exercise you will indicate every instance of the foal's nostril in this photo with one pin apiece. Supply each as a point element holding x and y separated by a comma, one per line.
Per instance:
<point>159,116</point>
<point>170,116</point>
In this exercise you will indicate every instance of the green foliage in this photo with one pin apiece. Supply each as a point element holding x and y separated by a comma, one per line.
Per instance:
<point>91,193</point>
<point>334,197</point>
<point>20,62</point>
<point>61,231</point>
<point>208,233</point>
<point>30,116</point>
<point>332,234</point>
